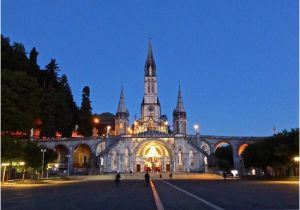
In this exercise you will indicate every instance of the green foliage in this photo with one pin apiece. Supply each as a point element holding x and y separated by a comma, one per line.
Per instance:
<point>20,97</point>
<point>48,105</point>
<point>11,149</point>
<point>277,150</point>
<point>29,93</point>
<point>85,113</point>
<point>66,108</point>
<point>24,150</point>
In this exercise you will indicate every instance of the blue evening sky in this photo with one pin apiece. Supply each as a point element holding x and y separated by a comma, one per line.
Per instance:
<point>236,61</point>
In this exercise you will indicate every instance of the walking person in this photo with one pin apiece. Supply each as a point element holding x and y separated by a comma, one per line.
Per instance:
<point>224,175</point>
<point>171,175</point>
<point>117,178</point>
<point>147,178</point>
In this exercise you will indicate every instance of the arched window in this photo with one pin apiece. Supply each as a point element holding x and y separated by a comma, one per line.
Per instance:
<point>149,86</point>
<point>152,86</point>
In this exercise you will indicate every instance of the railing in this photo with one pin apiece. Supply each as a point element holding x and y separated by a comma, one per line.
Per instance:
<point>228,137</point>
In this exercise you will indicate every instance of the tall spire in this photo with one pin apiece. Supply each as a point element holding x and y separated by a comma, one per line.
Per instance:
<point>121,106</point>
<point>150,67</point>
<point>150,53</point>
<point>179,106</point>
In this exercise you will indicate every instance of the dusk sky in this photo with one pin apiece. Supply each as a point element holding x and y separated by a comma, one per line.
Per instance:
<point>236,61</point>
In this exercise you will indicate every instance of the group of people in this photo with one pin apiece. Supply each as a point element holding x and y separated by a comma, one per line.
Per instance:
<point>147,177</point>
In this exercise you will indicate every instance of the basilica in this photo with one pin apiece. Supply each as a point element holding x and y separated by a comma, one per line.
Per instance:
<point>148,144</point>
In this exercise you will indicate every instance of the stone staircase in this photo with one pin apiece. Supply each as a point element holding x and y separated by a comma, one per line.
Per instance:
<point>110,144</point>
<point>211,159</point>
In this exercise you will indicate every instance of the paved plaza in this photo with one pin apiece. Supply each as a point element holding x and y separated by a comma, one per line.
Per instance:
<point>169,194</point>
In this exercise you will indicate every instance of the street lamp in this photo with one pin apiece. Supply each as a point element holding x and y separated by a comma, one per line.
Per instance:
<point>5,165</point>
<point>95,130</point>
<point>296,159</point>
<point>68,169</point>
<point>23,164</point>
<point>43,151</point>
<point>197,128</point>
<point>107,130</point>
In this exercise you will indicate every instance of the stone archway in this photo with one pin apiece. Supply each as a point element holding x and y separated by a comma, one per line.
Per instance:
<point>152,155</point>
<point>62,153</point>
<point>82,157</point>
<point>224,152</point>
<point>241,149</point>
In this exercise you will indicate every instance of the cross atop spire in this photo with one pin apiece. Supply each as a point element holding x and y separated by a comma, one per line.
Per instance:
<point>121,106</point>
<point>150,61</point>
<point>179,105</point>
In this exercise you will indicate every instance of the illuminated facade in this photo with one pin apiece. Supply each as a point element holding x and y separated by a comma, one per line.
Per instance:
<point>147,144</point>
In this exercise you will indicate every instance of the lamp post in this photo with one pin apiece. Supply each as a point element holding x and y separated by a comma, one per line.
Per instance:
<point>107,130</point>
<point>95,130</point>
<point>43,151</point>
<point>197,128</point>
<point>4,171</point>
<point>68,168</point>
<point>23,164</point>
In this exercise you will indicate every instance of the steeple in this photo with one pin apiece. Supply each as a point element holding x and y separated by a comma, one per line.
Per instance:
<point>121,120</point>
<point>121,106</point>
<point>179,106</point>
<point>150,67</point>
<point>179,116</point>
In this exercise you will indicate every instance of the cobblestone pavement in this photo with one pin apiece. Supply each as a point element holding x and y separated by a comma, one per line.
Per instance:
<point>173,194</point>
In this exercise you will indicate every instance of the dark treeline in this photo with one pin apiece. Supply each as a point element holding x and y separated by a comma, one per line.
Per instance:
<point>278,150</point>
<point>35,97</point>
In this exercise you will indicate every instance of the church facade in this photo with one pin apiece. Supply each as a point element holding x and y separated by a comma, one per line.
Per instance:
<point>148,144</point>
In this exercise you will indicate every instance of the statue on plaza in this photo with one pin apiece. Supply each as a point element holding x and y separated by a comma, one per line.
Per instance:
<point>179,158</point>
<point>31,132</point>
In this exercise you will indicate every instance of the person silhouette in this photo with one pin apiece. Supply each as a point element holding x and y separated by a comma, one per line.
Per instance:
<point>117,178</point>
<point>147,178</point>
<point>171,175</point>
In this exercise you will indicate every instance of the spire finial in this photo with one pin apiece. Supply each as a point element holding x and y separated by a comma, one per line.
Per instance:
<point>179,105</point>
<point>121,106</point>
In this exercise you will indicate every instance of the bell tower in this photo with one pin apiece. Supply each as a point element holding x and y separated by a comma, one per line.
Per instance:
<point>121,121</point>
<point>179,116</point>
<point>150,108</point>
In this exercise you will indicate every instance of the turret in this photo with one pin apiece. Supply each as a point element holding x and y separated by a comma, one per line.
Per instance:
<point>179,116</point>
<point>122,115</point>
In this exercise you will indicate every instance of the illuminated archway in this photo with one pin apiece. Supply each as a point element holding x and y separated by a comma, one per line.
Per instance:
<point>82,156</point>
<point>241,149</point>
<point>62,152</point>
<point>224,154</point>
<point>153,156</point>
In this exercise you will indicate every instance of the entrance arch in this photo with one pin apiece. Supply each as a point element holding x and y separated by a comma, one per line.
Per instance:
<point>152,155</point>
<point>241,149</point>
<point>82,156</point>
<point>62,159</point>
<point>224,153</point>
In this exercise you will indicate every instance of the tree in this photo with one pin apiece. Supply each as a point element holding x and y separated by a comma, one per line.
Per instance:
<point>85,113</point>
<point>33,67</point>
<point>66,109</point>
<point>11,149</point>
<point>16,150</point>
<point>20,97</point>
<point>48,106</point>
<point>277,150</point>
<point>51,74</point>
